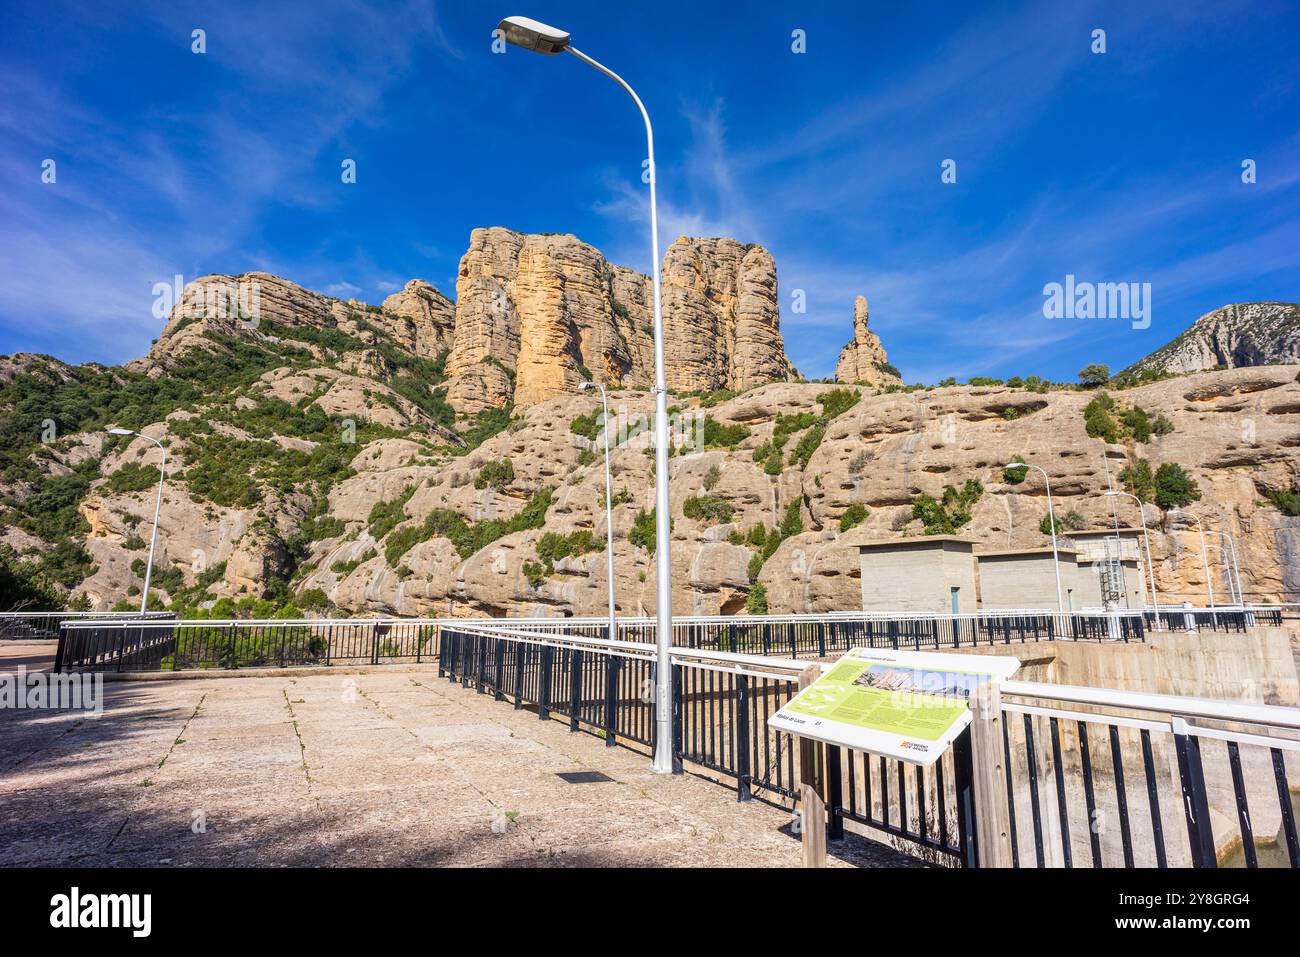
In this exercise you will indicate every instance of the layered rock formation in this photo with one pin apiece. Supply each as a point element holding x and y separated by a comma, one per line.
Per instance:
<point>1243,334</point>
<point>864,360</point>
<point>553,311</point>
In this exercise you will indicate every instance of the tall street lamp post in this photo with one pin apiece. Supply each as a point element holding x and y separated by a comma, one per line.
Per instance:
<point>1146,539</point>
<point>540,38</point>
<point>1205,558</point>
<point>153,538</point>
<point>1235,571</point>
<point>609,507</point>
<point>1051,517</point>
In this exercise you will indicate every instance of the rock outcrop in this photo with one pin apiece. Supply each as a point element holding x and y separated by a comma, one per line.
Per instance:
<point>551,310</point>
<point>864,360</point>
<point>429,324</point>
<point>534,315</point>
<point>1233,336</point>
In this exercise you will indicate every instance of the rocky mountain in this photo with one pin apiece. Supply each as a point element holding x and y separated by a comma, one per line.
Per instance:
<point>864,360</point>
<point>429,457</point>
<point>1242,334</point>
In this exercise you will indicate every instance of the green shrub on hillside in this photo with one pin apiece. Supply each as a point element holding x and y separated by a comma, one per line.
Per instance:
<point>853,516</point>
<point>1175,487</point>
<point>133,477</point>
<point>1286,500</point>
<point>642,533</point>
<point>1014,476</point>
<point>719,436</point>
<point>495,474</point>
<point>944,517</point>
<point>1138,478</point>
<point>707,508</point>
<point>385,516</point>
<point>1071,521</point>
<point>838,401</point>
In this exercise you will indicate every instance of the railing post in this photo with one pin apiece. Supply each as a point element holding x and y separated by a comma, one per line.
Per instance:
<point>992,810</point>
<point>544,696</point>
<point>480,654</point>
<point>497,685</point>
<point>575,687</point>
<point>374,643</point>
<point>58,654</point>
<point>821,639</point>
<point>964,786</point>
<point>678,722</point>
<point>611,699</point>
<point>231,654</point>
<point>742,738</point>
<point>1196,807</point>
<point>521,654</point>
<point>812,809</point>
<point>835,795</point>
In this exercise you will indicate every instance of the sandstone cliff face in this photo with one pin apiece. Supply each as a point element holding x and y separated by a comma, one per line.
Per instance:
<point>1243,334</point>
<point>879,454</point>
<point>864,360</point>
<point>534,316</point>
<point>553,310</point>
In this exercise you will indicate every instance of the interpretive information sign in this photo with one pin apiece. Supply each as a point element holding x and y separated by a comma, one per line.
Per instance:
<point>908,705</point>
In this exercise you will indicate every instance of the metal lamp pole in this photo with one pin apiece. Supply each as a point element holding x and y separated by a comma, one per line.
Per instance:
<point>153,538</point>
<point>1146,539</point>
<point>1236,571</point>
<point>609,508</point>
<point>1051,517</point>
<point>540,38</point>
<point>1205,558</point>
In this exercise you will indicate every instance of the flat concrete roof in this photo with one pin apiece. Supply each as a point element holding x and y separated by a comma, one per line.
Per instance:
<point>1102,532</point>
<point>1014,552</point>
<point>911,540</point>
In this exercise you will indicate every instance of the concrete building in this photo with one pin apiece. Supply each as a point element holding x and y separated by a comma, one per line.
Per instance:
<point>933,575</point>
<point>1113,563</point>
<point>944,575</point>
<point>1026,578</point>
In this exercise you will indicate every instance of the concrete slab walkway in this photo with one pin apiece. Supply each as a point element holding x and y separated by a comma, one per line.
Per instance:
<point>391,767</point>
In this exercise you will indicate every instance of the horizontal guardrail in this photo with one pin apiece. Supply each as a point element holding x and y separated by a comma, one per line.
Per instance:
<point>1094,776</point>
<point>723,701</point>
<point>1102,778</point>
<point>41,625</point>
<point>141,645</point>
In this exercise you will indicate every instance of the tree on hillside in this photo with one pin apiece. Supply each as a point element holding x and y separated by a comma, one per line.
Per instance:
<point>1175,487</point>
<point>1094,376</point>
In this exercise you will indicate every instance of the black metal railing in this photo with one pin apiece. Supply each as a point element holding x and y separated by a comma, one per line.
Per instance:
<point>812,636</point>
<point>720,723</point>
<point>167,644</point>
<point>1227,619</point>
<point>1148,788</point>
<point>181,646</point>
<point>44,625</point>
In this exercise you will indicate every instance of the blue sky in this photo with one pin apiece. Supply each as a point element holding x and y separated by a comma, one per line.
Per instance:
<point>1122,166</point>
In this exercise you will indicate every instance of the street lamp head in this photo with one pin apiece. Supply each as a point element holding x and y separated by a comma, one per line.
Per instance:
<point>120,432</point>
<point>1016,465</point>
<point>1112,492</point>
<point>584,386</point>
<point>531,35</point>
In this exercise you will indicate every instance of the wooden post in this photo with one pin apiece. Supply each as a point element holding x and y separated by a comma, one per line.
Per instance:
<point>992,817</point>
<point>812,806</point>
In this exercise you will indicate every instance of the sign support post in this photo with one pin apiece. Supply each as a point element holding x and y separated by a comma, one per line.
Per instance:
<point>812,808</point>
<point>992,812</point>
